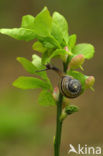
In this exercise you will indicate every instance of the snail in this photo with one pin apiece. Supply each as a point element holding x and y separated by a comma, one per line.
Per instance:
<point>68,86</point>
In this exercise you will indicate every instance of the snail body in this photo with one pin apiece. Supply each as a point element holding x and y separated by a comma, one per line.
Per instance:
<point>70,87</point>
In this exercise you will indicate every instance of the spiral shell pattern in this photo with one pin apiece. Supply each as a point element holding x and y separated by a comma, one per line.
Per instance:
<point>70,87</point>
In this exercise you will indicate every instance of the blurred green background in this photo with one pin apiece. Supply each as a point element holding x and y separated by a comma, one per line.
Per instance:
<point>26,128</point>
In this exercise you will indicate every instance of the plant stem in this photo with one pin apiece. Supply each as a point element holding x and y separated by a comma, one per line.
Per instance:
<point>65,65</point>
<point>59,126</point>
<point>57,140</point>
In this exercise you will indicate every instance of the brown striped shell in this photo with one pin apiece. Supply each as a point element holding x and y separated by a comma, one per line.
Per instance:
<point>70,87</point>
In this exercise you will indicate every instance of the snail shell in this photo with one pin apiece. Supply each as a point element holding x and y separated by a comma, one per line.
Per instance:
<point>70,87</point>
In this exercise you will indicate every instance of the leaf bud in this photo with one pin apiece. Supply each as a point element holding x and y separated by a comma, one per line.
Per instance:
<point>77,62</point>
<point>56,93</point>
<point>69,52</point>
<point>90,82</point>
<point>64,58</point>
<point>71,109</point>
<point>68,110</point>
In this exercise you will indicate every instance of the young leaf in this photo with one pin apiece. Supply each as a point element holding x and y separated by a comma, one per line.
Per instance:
<point>70,109</point>
<point>28,66</point>
<point>43,22</point>
<point>19,33</point>
<point>28,22</point>
<point>47,56</point>
<point>33,68</point>
<point>72,41</point>
<point>79,76</point>
<point>38,46</point>
<point>60,27</point>
<point>46,98</point>
<point>50,42</point>
<point>30,83</point>
<point>36,61</point>
<point>38,64</point>
<point>56,32</point>
<point>86,49</point>
<point>39,27</point>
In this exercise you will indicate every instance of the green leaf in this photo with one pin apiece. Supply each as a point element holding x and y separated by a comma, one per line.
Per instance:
<point>38,46</point>
<point>36,61</point>
<point>38,64</point>
<point>86,49</point>
<point>19,33</point>
<point>50,42</point>
<point>72,41</point>
<point>43,23</point>
<point>33,68</point>
<point>46,98</point>
<point>38,27</point>
<point>48,55</point>
<point>79,76</point>
<point>28,22</point>
<point>28,66</point>
<point>56,32</point>
<point>30,83</point>
<point>59,27</point>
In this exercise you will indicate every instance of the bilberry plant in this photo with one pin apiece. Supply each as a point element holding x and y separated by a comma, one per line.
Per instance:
<point>53,40</point>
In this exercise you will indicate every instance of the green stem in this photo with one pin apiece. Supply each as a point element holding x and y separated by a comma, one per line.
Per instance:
<point>65,65</point>
<point>57,140</point>
<point>59,126</point>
